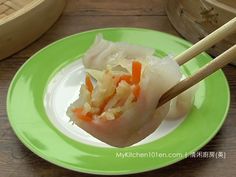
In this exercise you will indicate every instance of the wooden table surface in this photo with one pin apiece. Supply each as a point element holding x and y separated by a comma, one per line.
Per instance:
<point>81,15</point>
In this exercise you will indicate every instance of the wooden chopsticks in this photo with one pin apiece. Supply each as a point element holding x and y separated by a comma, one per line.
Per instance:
<point>207,42</point>
<point>219,62</point>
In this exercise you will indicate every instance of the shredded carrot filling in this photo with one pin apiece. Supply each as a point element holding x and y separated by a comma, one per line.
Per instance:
<point>89,83</point>
<point>104,103</point>
<point>133,79</point>
<point>126,78</point>
<point>136,72</point>
<point>79,114</point>
<point>136,92</point>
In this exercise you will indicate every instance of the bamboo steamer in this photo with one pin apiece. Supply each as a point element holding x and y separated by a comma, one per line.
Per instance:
<point>196,19</point>
<point>23,21</point>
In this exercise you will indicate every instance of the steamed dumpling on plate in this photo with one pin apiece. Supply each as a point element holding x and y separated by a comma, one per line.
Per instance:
<point>120,108</point>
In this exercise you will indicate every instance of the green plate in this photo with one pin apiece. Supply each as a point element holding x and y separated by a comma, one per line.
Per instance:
<point>28,118</point>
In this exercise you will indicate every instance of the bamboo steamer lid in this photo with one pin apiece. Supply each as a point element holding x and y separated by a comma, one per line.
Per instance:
<point>196,19</point>
<point>23,21</point>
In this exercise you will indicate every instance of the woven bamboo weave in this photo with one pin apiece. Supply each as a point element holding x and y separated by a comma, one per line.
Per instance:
<point>8,7</point>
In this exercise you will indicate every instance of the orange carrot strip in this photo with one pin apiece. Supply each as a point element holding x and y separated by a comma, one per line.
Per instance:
<point>136,92</point>
<point>126,78</point>
<point>80,115</point>
<point>89,83</point>
<point>136,72</point>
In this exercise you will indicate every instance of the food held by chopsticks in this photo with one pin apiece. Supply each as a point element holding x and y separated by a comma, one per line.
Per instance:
<point>120,107</point>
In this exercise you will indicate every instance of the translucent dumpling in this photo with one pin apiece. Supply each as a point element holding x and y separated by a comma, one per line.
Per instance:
<point>120,109</point>
<point>115,113</point>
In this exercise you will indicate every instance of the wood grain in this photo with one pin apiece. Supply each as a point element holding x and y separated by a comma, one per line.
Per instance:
<point>80,15</point>
<point>122,8</point>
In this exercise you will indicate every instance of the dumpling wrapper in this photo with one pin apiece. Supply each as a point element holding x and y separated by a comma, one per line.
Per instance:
<point>118,55</point>
<point>181,105</point>
<point>103,52</point>
<point>142,118</point>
